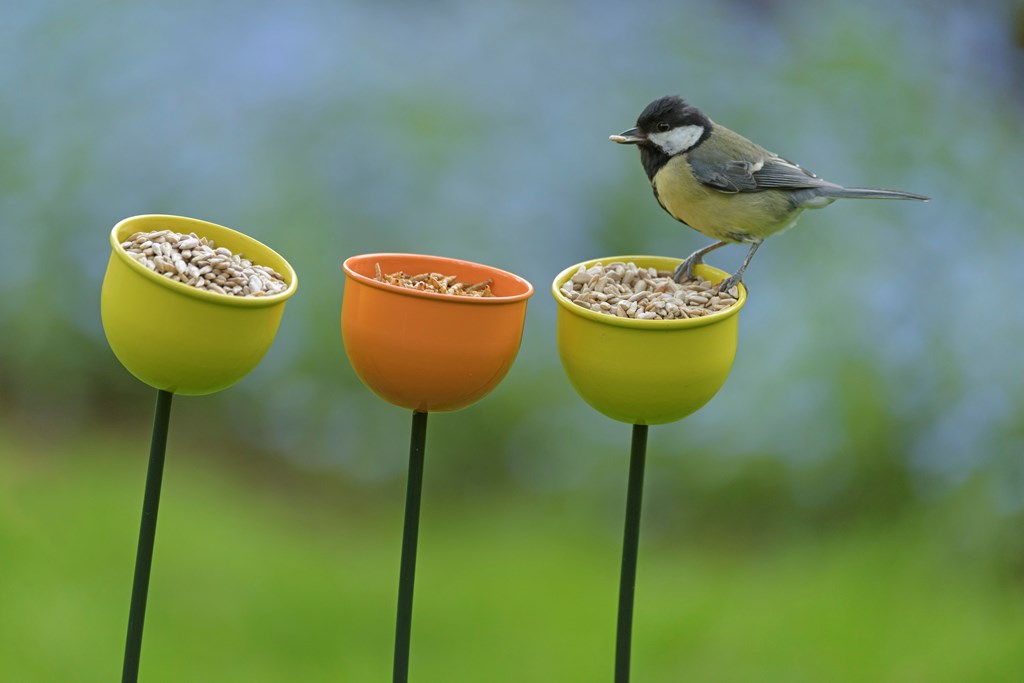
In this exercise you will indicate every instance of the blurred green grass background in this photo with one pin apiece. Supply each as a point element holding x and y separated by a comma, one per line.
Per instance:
<point>269,575</point>
<point>848,508</point>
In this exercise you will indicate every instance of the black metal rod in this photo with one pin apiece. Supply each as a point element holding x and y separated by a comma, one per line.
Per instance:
<point>147,532</point>
<point>410,535</point>
<point>630,546</point>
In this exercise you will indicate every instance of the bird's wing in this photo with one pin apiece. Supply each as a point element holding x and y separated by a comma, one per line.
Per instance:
<point>784,174</point>
<point>770,172</point>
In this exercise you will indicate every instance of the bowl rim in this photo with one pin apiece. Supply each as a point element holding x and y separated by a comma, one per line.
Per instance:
<point>189,290</point>
<point>661,325</point>
<point>437,296</point>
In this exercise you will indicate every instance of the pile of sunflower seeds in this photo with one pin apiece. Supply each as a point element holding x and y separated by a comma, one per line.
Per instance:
<point>199,262</point>
<point>628,291</point>
<point>434,282</point>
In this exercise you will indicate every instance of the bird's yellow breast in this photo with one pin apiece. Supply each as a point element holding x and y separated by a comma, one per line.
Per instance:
<point>734,217</point>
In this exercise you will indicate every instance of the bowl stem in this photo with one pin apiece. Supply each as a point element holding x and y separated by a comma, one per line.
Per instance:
<point>630,545</point>
<point>410,534</point>
<point>147,532</point>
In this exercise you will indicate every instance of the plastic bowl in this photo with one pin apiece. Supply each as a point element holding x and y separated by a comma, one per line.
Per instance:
<point>175,337</point>
<point>427,351</point>
<point>646,371</point>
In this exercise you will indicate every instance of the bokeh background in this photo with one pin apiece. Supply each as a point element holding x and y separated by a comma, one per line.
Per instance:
<point>848,508</point>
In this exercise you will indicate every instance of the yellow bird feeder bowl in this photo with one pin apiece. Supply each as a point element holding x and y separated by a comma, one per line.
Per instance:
<point>178,338</point>
<point>646,371</point>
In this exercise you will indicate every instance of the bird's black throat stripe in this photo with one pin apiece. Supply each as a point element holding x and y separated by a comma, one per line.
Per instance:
<point>653,160</point>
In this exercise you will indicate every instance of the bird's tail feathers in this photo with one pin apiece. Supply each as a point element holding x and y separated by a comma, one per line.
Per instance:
<point>870,193</point>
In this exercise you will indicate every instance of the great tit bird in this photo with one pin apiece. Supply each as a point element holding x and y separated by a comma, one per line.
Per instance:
<point>722,184</point>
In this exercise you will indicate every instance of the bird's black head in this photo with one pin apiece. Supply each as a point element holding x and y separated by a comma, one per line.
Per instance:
<point>666,127</point>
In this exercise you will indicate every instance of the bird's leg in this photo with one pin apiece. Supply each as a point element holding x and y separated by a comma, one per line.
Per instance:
<point>685,269</point>
<point>730,282</point>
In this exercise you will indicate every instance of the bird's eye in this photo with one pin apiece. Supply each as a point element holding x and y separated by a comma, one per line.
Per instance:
<point>663,127</point>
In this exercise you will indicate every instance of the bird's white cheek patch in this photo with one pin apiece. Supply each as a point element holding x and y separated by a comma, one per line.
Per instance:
<point>678,139</point>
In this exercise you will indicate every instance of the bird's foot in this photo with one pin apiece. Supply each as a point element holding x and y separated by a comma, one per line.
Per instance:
<point>730,282</point>
<point>684,271</point>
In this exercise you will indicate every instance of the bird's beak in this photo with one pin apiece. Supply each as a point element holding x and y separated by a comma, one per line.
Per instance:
<point>628,137</point>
